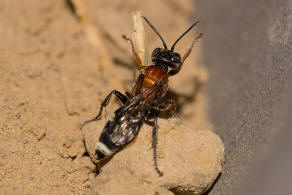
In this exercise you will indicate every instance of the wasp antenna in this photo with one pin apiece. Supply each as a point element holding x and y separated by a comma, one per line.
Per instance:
<point>164,44</point>
<point>172,48</point>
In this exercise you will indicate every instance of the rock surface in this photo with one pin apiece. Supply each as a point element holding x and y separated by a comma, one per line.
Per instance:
<point>54,74</point>
<point>190,160</point>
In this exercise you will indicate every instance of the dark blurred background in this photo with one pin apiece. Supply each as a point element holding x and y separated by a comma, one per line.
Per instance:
<point>247,49</point>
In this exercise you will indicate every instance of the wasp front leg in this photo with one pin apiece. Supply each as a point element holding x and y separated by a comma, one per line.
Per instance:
<point>169,105</point>
<point>105,102</point>
<point>186,55</point>
<point>138,60</point>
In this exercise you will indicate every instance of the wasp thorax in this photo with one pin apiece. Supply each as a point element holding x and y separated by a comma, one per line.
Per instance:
<point>167,57</point>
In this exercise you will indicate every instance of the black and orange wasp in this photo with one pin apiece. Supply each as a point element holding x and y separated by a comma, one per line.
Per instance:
<point>145,102</point>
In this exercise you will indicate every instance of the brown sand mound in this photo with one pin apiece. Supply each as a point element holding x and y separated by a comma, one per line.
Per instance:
<point>54,75</point>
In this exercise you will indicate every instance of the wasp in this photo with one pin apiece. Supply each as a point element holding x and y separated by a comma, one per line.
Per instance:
<point>144,103</point>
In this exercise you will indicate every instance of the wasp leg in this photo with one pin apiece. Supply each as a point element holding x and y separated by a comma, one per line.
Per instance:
<point>105,102</point>
<point>138,60</point>
<point>154,145</point>
<point>128,94</point>
<point>146,119</point>
<point>186,55</point>
<point>166,106</point>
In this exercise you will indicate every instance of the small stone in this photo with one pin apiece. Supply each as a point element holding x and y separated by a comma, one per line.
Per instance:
<point>39,132</point>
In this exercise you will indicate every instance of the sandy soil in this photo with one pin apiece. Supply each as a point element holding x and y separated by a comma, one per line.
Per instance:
<point>54,73</point>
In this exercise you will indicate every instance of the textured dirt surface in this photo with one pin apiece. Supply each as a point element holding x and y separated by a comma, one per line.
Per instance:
<point>57,65</point>
<point>190,160</point>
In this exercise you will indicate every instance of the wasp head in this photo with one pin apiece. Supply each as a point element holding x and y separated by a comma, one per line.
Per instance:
<point>166,57</point>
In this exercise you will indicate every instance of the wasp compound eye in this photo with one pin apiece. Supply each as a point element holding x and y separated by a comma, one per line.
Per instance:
<point>176,58</point>
<point>156,54</point>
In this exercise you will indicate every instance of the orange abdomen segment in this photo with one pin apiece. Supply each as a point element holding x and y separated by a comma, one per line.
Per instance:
<point>148,82</point>
<point>152,75</point>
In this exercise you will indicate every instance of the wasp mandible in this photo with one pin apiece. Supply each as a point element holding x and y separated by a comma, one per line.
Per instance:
<point>144,103</point>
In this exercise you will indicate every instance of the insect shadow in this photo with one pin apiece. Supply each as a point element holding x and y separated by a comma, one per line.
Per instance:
<point>183,100</point>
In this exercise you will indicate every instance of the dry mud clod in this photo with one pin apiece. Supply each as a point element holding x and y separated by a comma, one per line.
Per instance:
<point>190,159</point>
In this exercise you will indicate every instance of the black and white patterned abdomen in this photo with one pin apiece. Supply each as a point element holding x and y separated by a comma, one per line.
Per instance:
<point>121,129</point>
<point>127,128</point>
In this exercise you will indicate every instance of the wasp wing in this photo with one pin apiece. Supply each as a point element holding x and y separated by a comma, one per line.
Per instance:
<point>124,125</point>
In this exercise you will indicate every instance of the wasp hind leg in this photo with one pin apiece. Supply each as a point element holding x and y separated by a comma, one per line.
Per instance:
<point>105,102</point>
<point>154,145</point>
<point>154,140</point>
